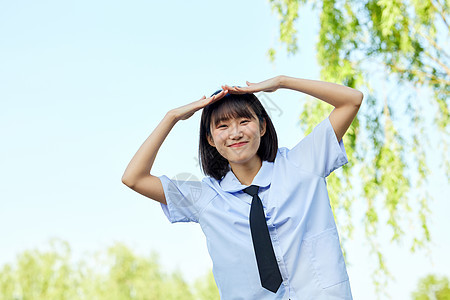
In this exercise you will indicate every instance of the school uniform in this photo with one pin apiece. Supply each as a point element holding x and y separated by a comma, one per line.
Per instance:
<point>302,229</point>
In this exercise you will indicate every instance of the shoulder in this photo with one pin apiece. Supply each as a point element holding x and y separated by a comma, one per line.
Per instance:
<point>282,151</point>
<point>187,186</point>
<point>283,158</point>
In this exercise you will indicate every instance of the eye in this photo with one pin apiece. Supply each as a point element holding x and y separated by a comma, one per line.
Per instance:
<point>221,126</point>
<point>245,121</point>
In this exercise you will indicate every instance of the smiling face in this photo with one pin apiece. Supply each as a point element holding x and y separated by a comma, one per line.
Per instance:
<point>244,114</point>
<point>237,139</point>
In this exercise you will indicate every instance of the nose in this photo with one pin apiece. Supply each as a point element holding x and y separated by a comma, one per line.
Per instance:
<point>235,132</point>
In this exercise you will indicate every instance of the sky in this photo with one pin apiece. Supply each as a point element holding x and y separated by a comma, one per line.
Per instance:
<point>84,83</point>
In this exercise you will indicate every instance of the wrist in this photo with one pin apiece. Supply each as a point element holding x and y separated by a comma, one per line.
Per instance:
<point>171,116</point>
<point>281,81</point>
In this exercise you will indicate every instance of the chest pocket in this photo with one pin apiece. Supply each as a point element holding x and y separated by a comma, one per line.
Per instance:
<point>326,257</point>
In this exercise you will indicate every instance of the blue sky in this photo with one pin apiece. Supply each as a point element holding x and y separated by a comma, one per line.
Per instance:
<point>83,84</point>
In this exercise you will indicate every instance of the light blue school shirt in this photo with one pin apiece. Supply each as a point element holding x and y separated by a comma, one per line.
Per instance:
<point>294,194</point>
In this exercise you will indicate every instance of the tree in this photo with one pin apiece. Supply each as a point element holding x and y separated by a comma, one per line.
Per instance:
<point>40,275</point>
<point>206,288</point>
<point>406,41</point>
<point>432,287</point>
<point>132,277</point>
<point>116,274</point>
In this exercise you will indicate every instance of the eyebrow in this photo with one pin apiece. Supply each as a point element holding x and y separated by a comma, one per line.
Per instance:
<point>245,114</point>
<point>224,119</point>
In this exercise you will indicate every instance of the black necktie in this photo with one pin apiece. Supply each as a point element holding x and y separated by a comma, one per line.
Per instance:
<point>269,273</point>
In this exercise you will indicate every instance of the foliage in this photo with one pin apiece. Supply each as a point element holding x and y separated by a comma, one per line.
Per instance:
<point>118,274</point>
<point>404,42</point>
<point>206,288</point>
<point>432,287</point>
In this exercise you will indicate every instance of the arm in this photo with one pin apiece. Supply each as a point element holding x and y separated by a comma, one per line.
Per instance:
<point>137,174</point>
<point>345,100</point>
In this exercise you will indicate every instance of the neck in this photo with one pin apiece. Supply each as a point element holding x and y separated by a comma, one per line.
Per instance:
<point>246,172</point>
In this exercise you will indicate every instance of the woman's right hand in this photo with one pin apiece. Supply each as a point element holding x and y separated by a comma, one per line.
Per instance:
<point>186,111</point>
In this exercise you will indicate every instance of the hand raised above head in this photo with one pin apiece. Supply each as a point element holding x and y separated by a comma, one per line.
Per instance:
<point>269,85</point>
<point>186,111</point>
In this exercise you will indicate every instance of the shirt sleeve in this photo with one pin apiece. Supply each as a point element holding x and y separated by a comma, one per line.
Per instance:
<point>185,198</point>
<point>319,152</point>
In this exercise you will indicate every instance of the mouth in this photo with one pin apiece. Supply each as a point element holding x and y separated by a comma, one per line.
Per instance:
<point>238,144</point>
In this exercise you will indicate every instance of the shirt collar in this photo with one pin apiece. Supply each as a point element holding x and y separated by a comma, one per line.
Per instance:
<point>262,179</point>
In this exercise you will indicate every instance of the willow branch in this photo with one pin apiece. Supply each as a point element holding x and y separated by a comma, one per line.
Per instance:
<point>427,76</point>
<point>435,45</point>
<point>447,69</point>
<point>440,11</point>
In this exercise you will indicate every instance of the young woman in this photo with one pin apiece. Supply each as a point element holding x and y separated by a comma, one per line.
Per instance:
<point>264,210</point>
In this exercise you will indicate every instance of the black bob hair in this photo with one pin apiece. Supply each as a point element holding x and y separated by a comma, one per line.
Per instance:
<point>213,164</point>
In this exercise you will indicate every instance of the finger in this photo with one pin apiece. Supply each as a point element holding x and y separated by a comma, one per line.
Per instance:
<point>230,87</point>
<point>234,90</point>
<point>226,88</point>
<point>216,97</point>
<point>224,93</point>
<point>243,89</point>
<point>210,99</point>
<point>219,95</point>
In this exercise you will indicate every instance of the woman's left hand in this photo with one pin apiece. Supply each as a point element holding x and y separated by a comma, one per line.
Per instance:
<point>269,85</point>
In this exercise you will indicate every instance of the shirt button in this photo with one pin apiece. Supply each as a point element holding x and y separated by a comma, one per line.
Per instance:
<point>278,258</point>
<point>285,283</point>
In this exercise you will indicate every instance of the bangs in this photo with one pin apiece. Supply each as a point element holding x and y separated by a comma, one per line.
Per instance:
<point>212,163</point>
<point>227,110</point>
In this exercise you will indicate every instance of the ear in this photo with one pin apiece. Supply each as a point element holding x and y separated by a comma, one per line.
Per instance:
<point>210,141</point>
<point>263,128</point>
